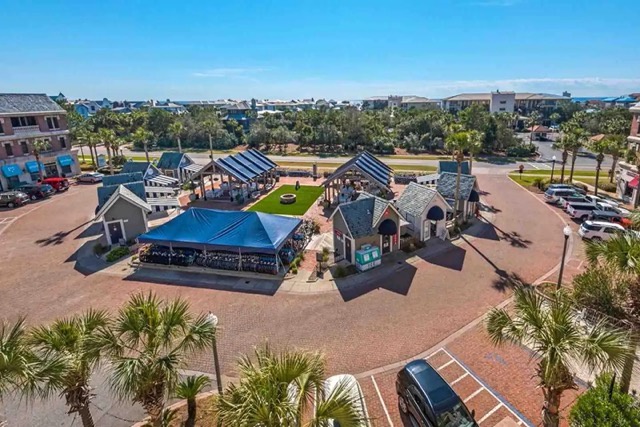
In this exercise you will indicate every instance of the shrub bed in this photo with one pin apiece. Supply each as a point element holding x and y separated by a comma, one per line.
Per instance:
<point>117,253</point>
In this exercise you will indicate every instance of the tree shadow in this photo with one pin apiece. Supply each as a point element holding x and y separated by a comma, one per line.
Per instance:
<point>488,208</point>
<point>59,237</point>
<point>505,279</point>
<point>513,237</point>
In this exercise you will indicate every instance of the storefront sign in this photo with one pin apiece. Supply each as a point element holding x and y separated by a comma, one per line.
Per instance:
<point>338,234</point>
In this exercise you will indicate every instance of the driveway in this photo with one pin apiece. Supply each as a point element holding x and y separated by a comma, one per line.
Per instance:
<point>409,312</point>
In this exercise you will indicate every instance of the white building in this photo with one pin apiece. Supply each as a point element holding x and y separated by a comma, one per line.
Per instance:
<point>502,102</point>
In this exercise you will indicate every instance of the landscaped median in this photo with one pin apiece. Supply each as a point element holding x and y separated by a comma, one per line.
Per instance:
<point>541,178</point>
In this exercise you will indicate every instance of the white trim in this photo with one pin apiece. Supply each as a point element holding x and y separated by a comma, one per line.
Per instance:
<point>108,234</point>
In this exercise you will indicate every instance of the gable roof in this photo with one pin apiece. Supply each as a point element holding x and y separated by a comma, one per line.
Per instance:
<point>416,198</point>
<point>362,215</point>
<point>368,164</point>
<point>452,166</point>
<point>447,185</point>
<point>170,160</point>
<point>137,188</point>
<point>141,167</point>
<point>12,103</point>
<point>122,192</point>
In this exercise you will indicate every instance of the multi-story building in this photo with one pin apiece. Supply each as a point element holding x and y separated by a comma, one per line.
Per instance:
<point>25,118</point>
<point>522,102</point>
<point>627,174</point>
<point>419,103</point>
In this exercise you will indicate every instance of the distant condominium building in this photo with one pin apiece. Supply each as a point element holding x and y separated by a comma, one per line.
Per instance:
<point>25,118</point>
<point>499,101</point>
<point>405,102</point>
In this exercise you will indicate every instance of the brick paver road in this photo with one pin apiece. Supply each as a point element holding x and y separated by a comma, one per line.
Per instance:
<point>393,318</point>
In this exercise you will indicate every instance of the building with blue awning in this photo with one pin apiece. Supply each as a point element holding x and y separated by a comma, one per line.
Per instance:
<point>33,168</point>
<point>11,170</point>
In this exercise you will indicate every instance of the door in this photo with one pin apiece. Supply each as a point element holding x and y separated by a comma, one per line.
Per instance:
<point>386,244</point>
<point>426,229</point>
<point>50,170</point>
<point>347,249</point>
<point>115,232</point>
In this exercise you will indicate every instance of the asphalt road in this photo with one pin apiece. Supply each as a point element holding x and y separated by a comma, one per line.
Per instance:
<point>585,160</point>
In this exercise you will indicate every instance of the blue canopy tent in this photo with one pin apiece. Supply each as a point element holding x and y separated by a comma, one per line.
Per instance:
<point>217,230</point>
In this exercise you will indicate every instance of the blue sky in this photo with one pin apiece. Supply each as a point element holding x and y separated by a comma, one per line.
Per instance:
<point>343,49</point>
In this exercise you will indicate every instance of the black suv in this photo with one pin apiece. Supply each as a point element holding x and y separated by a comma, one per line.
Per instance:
<point>36,191</point>
<point>12,199</point>
<point>427,400</point>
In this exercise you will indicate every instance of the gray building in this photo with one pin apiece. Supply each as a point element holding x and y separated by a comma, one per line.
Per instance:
<point>124,216</point>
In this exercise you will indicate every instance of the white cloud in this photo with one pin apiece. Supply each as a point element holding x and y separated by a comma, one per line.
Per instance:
<point>230,72</point>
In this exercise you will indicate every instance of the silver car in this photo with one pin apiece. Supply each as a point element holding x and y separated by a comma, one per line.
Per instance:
<point>90,177</point>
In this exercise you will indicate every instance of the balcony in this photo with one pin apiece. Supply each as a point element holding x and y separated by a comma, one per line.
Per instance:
<point>25,130</point>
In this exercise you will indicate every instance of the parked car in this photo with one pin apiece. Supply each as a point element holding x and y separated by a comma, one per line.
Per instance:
<point>553,195</point>
<point>353,390</point>
<point>603,206</point>
<point>427,400</point>
<point>596,199</point>
<point>90,177</point>
<point>36,191</point>
<point>58,184</point>
<point>581,210</point>
<point>572,198</point>
<point>12,199</point>
<point>606,216</point>
<point>599,230</point>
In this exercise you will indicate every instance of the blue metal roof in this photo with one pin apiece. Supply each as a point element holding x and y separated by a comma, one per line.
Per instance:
<point>121,178</point>
<point>105,192</point>
<point>131,167</point>
<point>170,160</point>
<point>452,166</point>
<point>246,166</point>
<point>368,164</point>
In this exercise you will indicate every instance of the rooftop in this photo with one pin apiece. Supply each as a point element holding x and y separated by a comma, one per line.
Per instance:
<point>13,103</point>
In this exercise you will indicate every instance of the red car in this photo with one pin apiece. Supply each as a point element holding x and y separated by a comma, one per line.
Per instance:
<point>58,184</point>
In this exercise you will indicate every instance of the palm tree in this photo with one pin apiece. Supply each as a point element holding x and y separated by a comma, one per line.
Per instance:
<point>175,129</point>
<point>82,138</point>
<point>40,145</point>
<point>147,344</point>
<point>188,389</point>
<point>474,146</point>
<point>457,143</point>
<point>142,137</point>
<point>108,137</point>
<point>564,144</point>
<point>532,121</point>
<point>579,139</point>
<point>617,145</point>
<point>599,146</point>
<point>279,390</point>
<point>551,328</point>
<point>211,127</point>
<point>72,341</point>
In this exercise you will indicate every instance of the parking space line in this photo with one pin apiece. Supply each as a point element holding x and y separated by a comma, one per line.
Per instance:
<point>536,167</point>
<point>384,406</point>
<point>446,364</point>
<point>474,394</point>
<point>433,354</point>
<point>459,378</point>
<point>483,386</point>
<point>488,414</point>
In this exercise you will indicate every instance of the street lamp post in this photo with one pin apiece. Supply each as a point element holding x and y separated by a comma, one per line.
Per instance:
<point>567,232</point>
<point>553,168</point>
<point>213,320</point>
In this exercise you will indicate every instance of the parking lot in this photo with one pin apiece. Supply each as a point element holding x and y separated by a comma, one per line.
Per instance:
<point>490,408</point>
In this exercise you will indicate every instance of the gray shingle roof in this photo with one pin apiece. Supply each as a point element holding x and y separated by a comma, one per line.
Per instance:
<point>130,167</point>
<point>11,103</point>
<point>105,193</point>
<point>452,166</point>
<point>125,193</point>
<point>170,160</point>
<point>447,185</point>
<point>362,214</point>
<point>122,178</point>
<point>415,199</point>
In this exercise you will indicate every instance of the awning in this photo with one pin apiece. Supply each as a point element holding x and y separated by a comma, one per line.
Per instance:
<point>163,180</point>
<point>32,167</point>
<point>65,160</point>
<point>388,227</point>
<point>11,170</point>
<point>634,182</point>
<point>435,213</point>
<point>474,196</point>
<point>193,168</point>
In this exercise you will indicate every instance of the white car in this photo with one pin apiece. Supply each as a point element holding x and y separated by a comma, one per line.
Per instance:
<point>599,230</point>
<point>598,199</point>
<point>350,386</point>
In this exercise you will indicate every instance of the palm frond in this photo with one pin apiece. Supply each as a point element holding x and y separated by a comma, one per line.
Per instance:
<point>191,386</point>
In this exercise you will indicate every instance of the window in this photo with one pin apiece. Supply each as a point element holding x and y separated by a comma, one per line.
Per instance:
<point>502,109</point>
<point>63,142</point>
<point>52,122</point>
<point>1,129</point>
<point>18,122</point>
<point>9,149</point>
<point>503,102</point>
<point>25,147</point>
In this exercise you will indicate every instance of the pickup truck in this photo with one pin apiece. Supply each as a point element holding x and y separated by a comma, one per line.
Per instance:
<point>572,198</point>
<point>581,210</point>
<point>604,206</point>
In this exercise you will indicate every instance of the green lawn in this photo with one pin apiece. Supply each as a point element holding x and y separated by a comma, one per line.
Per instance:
<point>525,181</point>
<point>305,197</point>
